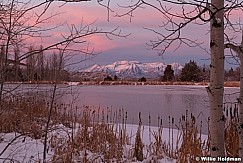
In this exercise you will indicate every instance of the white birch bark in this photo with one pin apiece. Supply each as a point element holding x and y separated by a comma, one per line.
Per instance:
<point>216,87</point>
<point>239,51</point>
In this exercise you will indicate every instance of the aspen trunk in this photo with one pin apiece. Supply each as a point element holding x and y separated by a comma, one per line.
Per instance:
<point>216,87</point>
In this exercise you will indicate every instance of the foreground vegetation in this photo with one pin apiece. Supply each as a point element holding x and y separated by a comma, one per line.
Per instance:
<point>91,134</point>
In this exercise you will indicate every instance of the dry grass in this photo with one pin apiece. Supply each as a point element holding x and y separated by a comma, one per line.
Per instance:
<point>232,139</point>
<point>107,140</point>
<point>138,147</point>
<point>232,84</point>
<point>100,140</point>
<point>29,118</point>
<point>192,145</point>
<point>23,117</point>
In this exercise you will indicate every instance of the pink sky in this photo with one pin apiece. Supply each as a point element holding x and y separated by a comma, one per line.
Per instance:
<point>134,47</point>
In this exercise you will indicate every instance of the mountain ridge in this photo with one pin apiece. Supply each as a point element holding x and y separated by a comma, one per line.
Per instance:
<point>134,69</point>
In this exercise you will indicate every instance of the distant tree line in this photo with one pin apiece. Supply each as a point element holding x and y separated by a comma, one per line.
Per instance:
<point>38,67</point>
<point>48,67</point>
<point>191,72</point>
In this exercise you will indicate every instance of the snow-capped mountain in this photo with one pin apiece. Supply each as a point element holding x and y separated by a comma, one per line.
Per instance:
<point>133,69</point>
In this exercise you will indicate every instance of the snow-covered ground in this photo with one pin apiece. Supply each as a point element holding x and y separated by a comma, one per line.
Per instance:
<point>26,149</point>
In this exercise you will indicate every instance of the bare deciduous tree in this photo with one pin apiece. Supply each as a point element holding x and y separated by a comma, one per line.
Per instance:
<point>21,21</point>
<point>216,87</point>
<point>176,16</point>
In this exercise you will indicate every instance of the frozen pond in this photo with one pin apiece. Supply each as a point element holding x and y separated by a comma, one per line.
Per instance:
<point>155,100</point>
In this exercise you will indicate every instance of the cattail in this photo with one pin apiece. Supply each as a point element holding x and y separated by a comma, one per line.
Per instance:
<point>139,116</point>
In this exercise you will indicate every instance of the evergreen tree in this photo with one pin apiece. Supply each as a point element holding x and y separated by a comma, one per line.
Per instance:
<point>168,73</point>
<point>108,78</point>
<point>205,70</point>
<point>191,72</point>
<point>232,75</point>
<point>143,79</point>
<point>115,78</point>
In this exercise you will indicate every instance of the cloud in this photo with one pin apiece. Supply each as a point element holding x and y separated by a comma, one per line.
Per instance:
<point>134,47</point>
<point>101,43</point>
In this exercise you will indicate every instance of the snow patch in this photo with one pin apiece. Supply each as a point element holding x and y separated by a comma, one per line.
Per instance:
<point>134,69</point>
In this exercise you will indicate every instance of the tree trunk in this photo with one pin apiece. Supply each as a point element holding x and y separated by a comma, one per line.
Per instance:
<point>216,87</point>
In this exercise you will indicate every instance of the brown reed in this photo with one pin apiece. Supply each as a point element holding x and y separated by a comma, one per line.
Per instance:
<point>105,134</point>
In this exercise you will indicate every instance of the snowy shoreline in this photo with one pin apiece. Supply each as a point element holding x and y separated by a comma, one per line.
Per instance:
<point>27,149</point>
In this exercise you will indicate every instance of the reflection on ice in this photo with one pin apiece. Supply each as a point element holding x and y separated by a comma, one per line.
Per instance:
<point>158,101</point>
